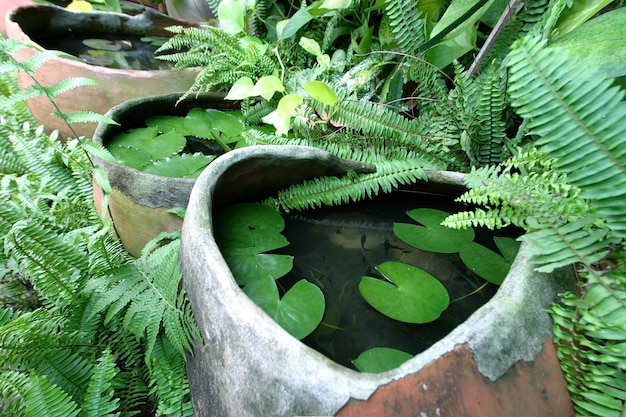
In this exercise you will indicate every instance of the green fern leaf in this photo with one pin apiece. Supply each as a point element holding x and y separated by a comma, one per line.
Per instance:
<point>407,25</point>
<point>68,84</point>
<point>569,243</point>
<point>169,381</point>
<point>12,387</point>
<point>147,293</point>
<point>83,116</point>
<point>44,399</point>
<point>57,269</point>
<point>580,120</point>
<point>99,399</point>
<point>491,136</point>
<point>329,191</point>
<point>69,370</point>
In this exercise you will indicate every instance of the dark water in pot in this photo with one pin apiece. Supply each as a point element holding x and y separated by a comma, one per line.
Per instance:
<point>335,247</point>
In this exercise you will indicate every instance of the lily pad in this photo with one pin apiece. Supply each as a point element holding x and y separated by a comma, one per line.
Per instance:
<point>485,263</point>
<point>432,236</point>
<point>211,123</point>
<point>299,311</point>
<point>180,166</point>
<point>167,123</point>
<point>243,232</point>
<point>380,359</point>
<point>148,141</point>
<point>102,44</point>
<point>408,294</point>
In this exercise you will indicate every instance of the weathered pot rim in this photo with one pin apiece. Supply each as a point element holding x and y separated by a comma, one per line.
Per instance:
<point>511,327</point>
<point>144,23</point>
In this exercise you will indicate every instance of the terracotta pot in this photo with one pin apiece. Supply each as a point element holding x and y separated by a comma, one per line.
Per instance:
<point>140,201</point>
<point>6,6</point>
<point>116,85</point>
<point>499,362</point>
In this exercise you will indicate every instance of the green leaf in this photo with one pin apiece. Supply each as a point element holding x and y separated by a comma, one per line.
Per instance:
<point>146,141</point>
<point>380,359</point>
<point>432,237</point>
<point>243,232</point>
<point>457,9</point>
<point>44,399</point>
<point>167,123</point>
<point>335,4</point>
<point>409,294</point>
<point>445,52</point>
<point>268,85</point>
<point>289,28</point>
<point>484,262</point>
<point>599,45</point>
<point>299,311</point>
<point>310,45</point>
<point>180,166</point>
<point>231,16</point>
<point>281,117</point>
<point>320,91</point>
<point>242,88</point>
<point>508,247</point>
<point>199,124</point>
<point>578,13</point>
<point>228,123</point>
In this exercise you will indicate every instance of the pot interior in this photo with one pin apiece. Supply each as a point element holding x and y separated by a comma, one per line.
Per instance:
<point>105,39</point>
<point>334,247</point>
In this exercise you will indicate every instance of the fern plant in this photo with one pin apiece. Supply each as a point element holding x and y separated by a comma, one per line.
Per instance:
<point>572,202</point>
<point>76,350</point>
<point>73,354</point>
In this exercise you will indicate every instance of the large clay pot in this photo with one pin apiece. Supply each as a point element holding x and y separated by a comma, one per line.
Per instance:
<point>5,8</point>
<point>140,202</point>
<point>499,362</point>
<point>116,85</point>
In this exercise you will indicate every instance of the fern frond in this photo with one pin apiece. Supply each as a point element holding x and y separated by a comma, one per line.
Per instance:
<point>169,384</point>
<point>70,370</point>
<point>590,335</point>
<point>43,164</point>
<point>490,137</point>
<point>12,387</point>
<point>329,191</point>
<point>406,24</point>
<point>84,116</point>
<point>44,399</point>
<point>580,120</point>
<point>562,244</point>
<point>99,398</point>
<point>376,120</point>
<point>147,293</point>
<point>55,267</point>
<point>68,84</point>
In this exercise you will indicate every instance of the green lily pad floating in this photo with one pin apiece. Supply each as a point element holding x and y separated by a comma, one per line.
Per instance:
<point>432,236</point>
<point>167,123</point>
<point>380,359</point>
<point>488,264</point>
<point>149,142</point>
<point>180,166</point>
<point>154,40</point>
<point>211,123</point>
<point>299,311</point>
<point>102,44</point>
<point>244,232</point>
<point>408,293</point>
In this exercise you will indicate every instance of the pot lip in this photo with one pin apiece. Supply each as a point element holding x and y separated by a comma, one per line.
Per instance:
<point>146,17</point>
<point>482,330</point>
